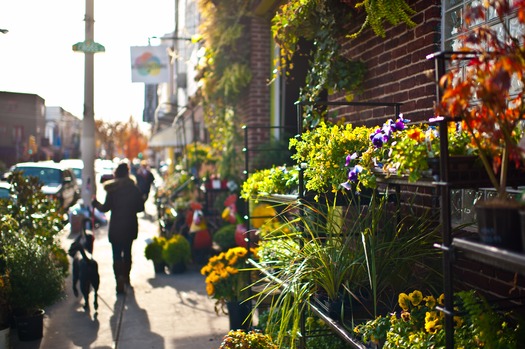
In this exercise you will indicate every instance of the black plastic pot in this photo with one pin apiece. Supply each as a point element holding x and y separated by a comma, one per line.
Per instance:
<point>499,225</point>
<point>30,327</point>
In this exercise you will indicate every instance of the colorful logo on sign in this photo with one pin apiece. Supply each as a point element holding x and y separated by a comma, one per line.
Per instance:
<point>148,64</point>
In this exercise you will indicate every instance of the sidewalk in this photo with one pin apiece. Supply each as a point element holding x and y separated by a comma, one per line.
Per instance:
<point>160,312</point>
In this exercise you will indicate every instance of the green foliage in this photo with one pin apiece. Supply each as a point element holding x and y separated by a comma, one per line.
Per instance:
<point>276,180</point>
<point>380,11</point>
<point>240,339</point>
<point>153,250</point>
<point>321,337</point>
<point>365,253</point>
<point>37,215</point>
<point>320,22</point>
<point>176,250</point>
<point>225,237</point>
<point>224,72</point>
<point>324,150</point>
<point>36,280</point>
<point>30,252</point>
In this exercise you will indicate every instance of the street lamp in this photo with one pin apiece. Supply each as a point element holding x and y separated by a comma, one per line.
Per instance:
<point>89,47</point>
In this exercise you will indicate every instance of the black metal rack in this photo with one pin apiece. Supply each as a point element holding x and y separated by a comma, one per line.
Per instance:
<point>450,246</point>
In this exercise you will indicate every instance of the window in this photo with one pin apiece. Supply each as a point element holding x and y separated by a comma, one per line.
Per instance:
<point>454,20</point>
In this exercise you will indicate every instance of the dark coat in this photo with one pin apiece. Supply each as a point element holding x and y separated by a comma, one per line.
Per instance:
<point>124,200</point>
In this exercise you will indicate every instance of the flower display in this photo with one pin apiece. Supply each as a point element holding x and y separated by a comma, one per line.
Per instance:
<point>401,149</point>
<point>420,324</point>
<point>227,275</point>
<point>324,150</point>
<point>276,180</point>
<point>240,339</point>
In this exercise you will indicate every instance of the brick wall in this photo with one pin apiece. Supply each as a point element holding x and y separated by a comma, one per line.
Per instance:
<point>397,65</point>
<point>255,104</point>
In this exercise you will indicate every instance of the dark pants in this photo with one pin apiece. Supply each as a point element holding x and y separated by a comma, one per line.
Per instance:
<point>122,252</point>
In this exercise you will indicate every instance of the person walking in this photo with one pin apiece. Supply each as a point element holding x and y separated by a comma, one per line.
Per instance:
<point>144,179</point>
<point>124,200</point>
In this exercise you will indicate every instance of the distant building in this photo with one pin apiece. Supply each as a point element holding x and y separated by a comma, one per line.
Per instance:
<point>22,123</point>
<point>30,132</point>
<point>62,133</point>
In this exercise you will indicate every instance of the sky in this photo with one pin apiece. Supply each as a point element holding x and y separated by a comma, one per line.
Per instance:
<point>36,54</point>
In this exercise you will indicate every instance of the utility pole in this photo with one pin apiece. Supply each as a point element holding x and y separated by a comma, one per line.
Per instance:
<point>87,144</point>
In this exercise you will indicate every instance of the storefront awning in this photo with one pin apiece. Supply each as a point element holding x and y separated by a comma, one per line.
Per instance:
<point>169,137</point>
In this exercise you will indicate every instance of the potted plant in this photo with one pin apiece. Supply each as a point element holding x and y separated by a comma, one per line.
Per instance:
<point>224,238</point>
<point>241,339</point>
<point>485,94</point>
<point>5,290</point>
<point>36,282</point>
<point>227,281</point>
<point>177,253</point>
<point>31,255</point>
<point>344,266</point>
<point>153,252</point>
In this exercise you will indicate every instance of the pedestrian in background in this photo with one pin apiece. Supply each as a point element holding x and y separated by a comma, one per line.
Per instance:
<point>144,179</point>
<point>124,200</point>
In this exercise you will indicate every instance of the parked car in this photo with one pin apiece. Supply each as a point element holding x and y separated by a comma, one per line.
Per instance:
<point>104,169</point>
<point>5,191</point>
<point>58,181</point>
<point>76,165</point>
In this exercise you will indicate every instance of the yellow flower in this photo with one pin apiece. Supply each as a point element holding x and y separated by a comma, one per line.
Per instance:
<point>415,297</point>
<point>430,301</point>
<point>432,323</point>
<point>432,327</point>
<point>458,321</point>
<point>210,289</point>
<point>405,315</point>
<point>431,316</point>
<point>403,301</point>
<point>441,299</point>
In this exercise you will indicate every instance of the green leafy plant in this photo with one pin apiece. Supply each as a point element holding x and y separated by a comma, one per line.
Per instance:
<point>240,339</point>
<point>320,22</point>
<point>153,250</point>
<point>224,73</point>
<point>381,11</point>
<point>276,180</point>
<point>176,250</point>
<point>30,252</point>
<point>5,291</point>
<point>36,280</point>
<point>224,237</point>
<point>356,258</point>
<point>324,150</point>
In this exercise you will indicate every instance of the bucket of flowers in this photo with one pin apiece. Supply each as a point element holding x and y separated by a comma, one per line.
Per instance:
<point>227,281</point>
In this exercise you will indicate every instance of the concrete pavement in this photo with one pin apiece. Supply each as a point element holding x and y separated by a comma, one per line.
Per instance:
<point>160,312</point>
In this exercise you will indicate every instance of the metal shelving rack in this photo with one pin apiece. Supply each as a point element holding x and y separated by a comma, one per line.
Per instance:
<point>452,247</point>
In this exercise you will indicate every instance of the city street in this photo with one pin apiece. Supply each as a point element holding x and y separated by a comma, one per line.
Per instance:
<point>161,311</point>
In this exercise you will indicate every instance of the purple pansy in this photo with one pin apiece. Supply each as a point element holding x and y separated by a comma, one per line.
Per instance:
<point>353,174</point>
<point>349,158</point>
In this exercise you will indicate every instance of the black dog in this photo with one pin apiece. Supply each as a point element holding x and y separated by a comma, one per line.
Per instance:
<point>85,268</point>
